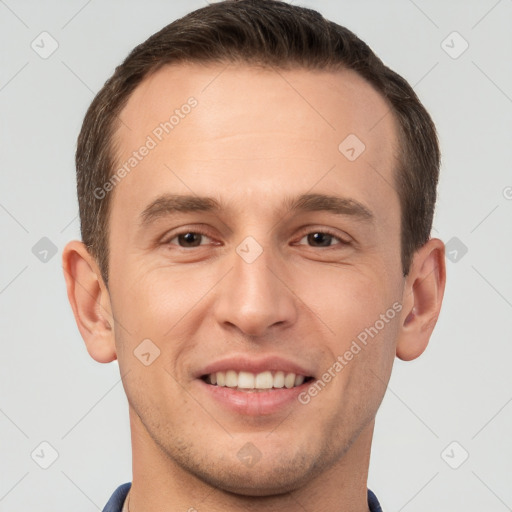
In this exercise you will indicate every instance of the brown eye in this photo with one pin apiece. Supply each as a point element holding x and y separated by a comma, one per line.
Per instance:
<point>320,239</point>
<point>188,239</point>
<point>323,239</point>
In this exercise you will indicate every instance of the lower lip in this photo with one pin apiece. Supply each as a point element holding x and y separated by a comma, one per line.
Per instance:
<point>257,403</point>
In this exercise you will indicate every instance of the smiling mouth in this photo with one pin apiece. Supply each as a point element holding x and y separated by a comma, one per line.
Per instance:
<point>255,382</point>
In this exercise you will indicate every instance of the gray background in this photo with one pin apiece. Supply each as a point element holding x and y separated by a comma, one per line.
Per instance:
<point>458,391</point>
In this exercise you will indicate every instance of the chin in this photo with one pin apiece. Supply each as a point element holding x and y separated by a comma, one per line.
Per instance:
<point>261,480</point>
<point>280,470</point>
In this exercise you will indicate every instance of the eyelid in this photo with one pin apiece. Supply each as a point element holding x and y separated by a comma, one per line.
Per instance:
<point>345,240</point>
<point>202,230</point>
<point>166,239</point>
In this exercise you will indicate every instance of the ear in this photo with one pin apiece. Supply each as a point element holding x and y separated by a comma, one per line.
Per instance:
<point>90,301</point>
<point>422,298</point>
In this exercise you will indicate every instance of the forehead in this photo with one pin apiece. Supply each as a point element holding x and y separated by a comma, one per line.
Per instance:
<point>327,101</point>
<point>211,127</point>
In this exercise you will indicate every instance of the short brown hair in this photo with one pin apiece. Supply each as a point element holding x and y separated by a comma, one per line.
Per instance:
<point>269,33</point>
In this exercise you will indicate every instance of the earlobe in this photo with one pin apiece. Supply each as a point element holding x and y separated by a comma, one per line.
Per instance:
<point>423,296</point>
<point>90,301</point>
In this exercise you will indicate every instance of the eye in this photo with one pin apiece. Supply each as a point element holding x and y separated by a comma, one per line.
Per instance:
<point>190,239</point>
<point>187,239</point>
<point>322,238</point>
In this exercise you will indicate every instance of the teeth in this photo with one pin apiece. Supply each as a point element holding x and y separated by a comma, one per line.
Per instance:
<point>248,380</point>
<point>264,380</point>
<point>231,379</point>
<point>299,379</point>
<point>279,380</point>
<point>245,380</point>
<point>289,380</point>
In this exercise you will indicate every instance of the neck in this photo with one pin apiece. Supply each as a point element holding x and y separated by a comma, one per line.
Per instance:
<point>161,485</point>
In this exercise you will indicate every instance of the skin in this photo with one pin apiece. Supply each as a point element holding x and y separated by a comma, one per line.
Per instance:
<point>256,136</point>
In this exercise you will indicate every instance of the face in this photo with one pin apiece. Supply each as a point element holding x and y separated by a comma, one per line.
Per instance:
<point>280,269</point>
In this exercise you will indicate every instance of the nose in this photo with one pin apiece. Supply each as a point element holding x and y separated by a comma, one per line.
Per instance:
<point>256,296</point>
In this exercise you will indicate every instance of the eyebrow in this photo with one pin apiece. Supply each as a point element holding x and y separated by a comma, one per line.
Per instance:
<point>168,204</point>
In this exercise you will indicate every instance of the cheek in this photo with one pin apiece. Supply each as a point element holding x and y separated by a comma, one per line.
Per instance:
<point>346,299</point>
<point>153,315</point>
<point>156,299</point>
<point>359,316</point>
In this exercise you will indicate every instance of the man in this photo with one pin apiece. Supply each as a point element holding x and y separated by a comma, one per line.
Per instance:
<point>256,196</point>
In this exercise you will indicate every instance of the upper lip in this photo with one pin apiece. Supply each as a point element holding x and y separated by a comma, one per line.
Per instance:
<point>255,365</point>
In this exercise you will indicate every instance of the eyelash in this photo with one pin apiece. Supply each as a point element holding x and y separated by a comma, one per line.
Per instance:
<point>324,231</point>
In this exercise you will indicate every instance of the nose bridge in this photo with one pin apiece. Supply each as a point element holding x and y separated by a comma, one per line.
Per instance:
<point>253,267</point>
<point>253,297</point>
